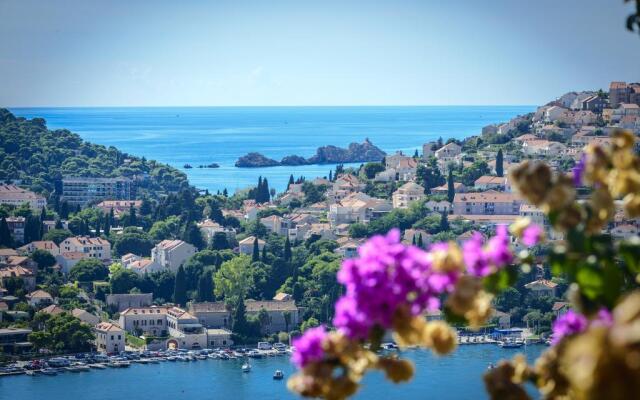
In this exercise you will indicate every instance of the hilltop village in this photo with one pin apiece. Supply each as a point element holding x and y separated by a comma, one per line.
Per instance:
<point>106,251</point>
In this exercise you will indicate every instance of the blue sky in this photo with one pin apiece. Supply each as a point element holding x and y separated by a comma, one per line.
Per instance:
<point>219,53</point>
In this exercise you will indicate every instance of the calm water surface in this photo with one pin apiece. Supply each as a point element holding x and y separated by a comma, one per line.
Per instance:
<point>454,377</point>
<point>202,135</point>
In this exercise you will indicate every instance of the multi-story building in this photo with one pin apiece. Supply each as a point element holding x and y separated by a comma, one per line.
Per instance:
<point>245,246</point>
<point>170,254</point>
<point>14,196</point>
<point>618,93</point>
<point>358,207</point>
<point>97,248</point>
<point>122,301</point>
<point>81,190</point>
<point>118,206</point>
<point>16,227</point>
<point>486,203</point>
<point>209,228</point>
<point>110,338</point>
<point>46,245</point>
<point>406,194</point>
<point>217,315</point>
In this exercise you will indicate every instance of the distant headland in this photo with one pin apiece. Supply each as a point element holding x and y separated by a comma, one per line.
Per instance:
<point>355,152</point>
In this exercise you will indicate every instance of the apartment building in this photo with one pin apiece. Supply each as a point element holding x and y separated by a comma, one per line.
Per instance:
<point>170,254</point>
<point>15,196</point>
<point>110,338</point>
<point>84,190</point>
<point>407,194</point>
<point>486,203</point>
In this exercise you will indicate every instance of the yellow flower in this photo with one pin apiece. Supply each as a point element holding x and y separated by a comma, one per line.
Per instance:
<point>519,226</point>
<point>632,205</point>
<point>397,370</point>
<point>464,294</point>
<point>532,180</point>
<point>480,310</point>
<point>602,208</point>
<point>447,260</point>
<point>440,337</point>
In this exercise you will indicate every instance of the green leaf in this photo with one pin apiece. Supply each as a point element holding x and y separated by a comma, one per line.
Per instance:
<point>590,281</point>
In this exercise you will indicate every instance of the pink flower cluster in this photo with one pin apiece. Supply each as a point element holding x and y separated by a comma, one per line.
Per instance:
<point>572,323</point>
<point>387,275</point>
<point>483,260</point>
<point>308,347</point>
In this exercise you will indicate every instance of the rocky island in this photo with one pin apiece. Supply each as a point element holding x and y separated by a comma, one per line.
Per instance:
<point>355,152</point>
<point>255,160</point>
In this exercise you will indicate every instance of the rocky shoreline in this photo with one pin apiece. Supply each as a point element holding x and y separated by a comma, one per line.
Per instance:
<point>355,152</point>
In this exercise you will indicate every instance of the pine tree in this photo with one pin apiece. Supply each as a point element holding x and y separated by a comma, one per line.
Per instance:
<point>444,222</point>
<point>419,243</point>
<point>180,288</point>
<point>500,164</point>
<point>451,191</point>
<point>225,193</point>
<point>416,154</point>
<point>287,249</point>
<point>5,234</point>
<point>256,251</point>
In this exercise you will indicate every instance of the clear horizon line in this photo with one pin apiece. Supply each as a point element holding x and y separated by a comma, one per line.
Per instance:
<point>277,106</point>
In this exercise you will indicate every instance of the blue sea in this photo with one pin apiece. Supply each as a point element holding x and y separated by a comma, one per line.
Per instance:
<point>454,377</point>
<point>203,135</point>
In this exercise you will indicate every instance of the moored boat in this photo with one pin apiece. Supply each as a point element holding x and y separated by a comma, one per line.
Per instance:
<point>278,375</point>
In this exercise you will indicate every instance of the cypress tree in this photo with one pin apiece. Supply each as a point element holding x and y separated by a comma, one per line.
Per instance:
<point>416,154</point>
<point>413,240</point>
<point>256,251</point>
<point>64,210</point>
<point>133,220</point>
<point>5,234</point>
<point>180,288</point>
<point>239,325</point>
<point>420,243</point>
<point>287,249</point>
<point>444,222</point>
<point>451,191</point>
<point>225,193</point>
<point>107,225</point>
<point>330,175</point>
<point>291,181</point>
<point>193,235</point>
<point>205,287</point>
<point>500,164</point>
<point>112,217</point>
<point>43,214</point>
<point>258,193</point>
<point>266,193</point>
<point>264,254</point>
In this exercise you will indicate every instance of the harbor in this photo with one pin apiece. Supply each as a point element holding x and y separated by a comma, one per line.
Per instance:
<point>455,376</point>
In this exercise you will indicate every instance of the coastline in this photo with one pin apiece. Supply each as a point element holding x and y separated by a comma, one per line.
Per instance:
<point>203,135</point>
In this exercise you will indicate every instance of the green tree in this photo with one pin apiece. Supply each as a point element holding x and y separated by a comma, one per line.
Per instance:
<point>44,259</point>
<point>57,235</point>
<point>500,163</point>
<point>234,279</point>
<point>256,251</point>
<point>205,287</point>
<point>451,191</point>
<point>287,249</point>
<point>123,280</point>
<point>135,242</point>
<point>88,270</point>
<point>372,168</point>
<point>193,235</point>
<point>444,222</point>
<point>180,288</point>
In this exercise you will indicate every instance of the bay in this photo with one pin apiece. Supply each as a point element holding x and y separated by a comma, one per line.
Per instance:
<point>204,135</point>
<point>458,376</point>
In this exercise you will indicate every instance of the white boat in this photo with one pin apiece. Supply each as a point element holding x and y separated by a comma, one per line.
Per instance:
<point>510,344</point>
<point>49,371</point>
<point>278,375</point>
<point>246,367</point>
<point>98,366</point>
